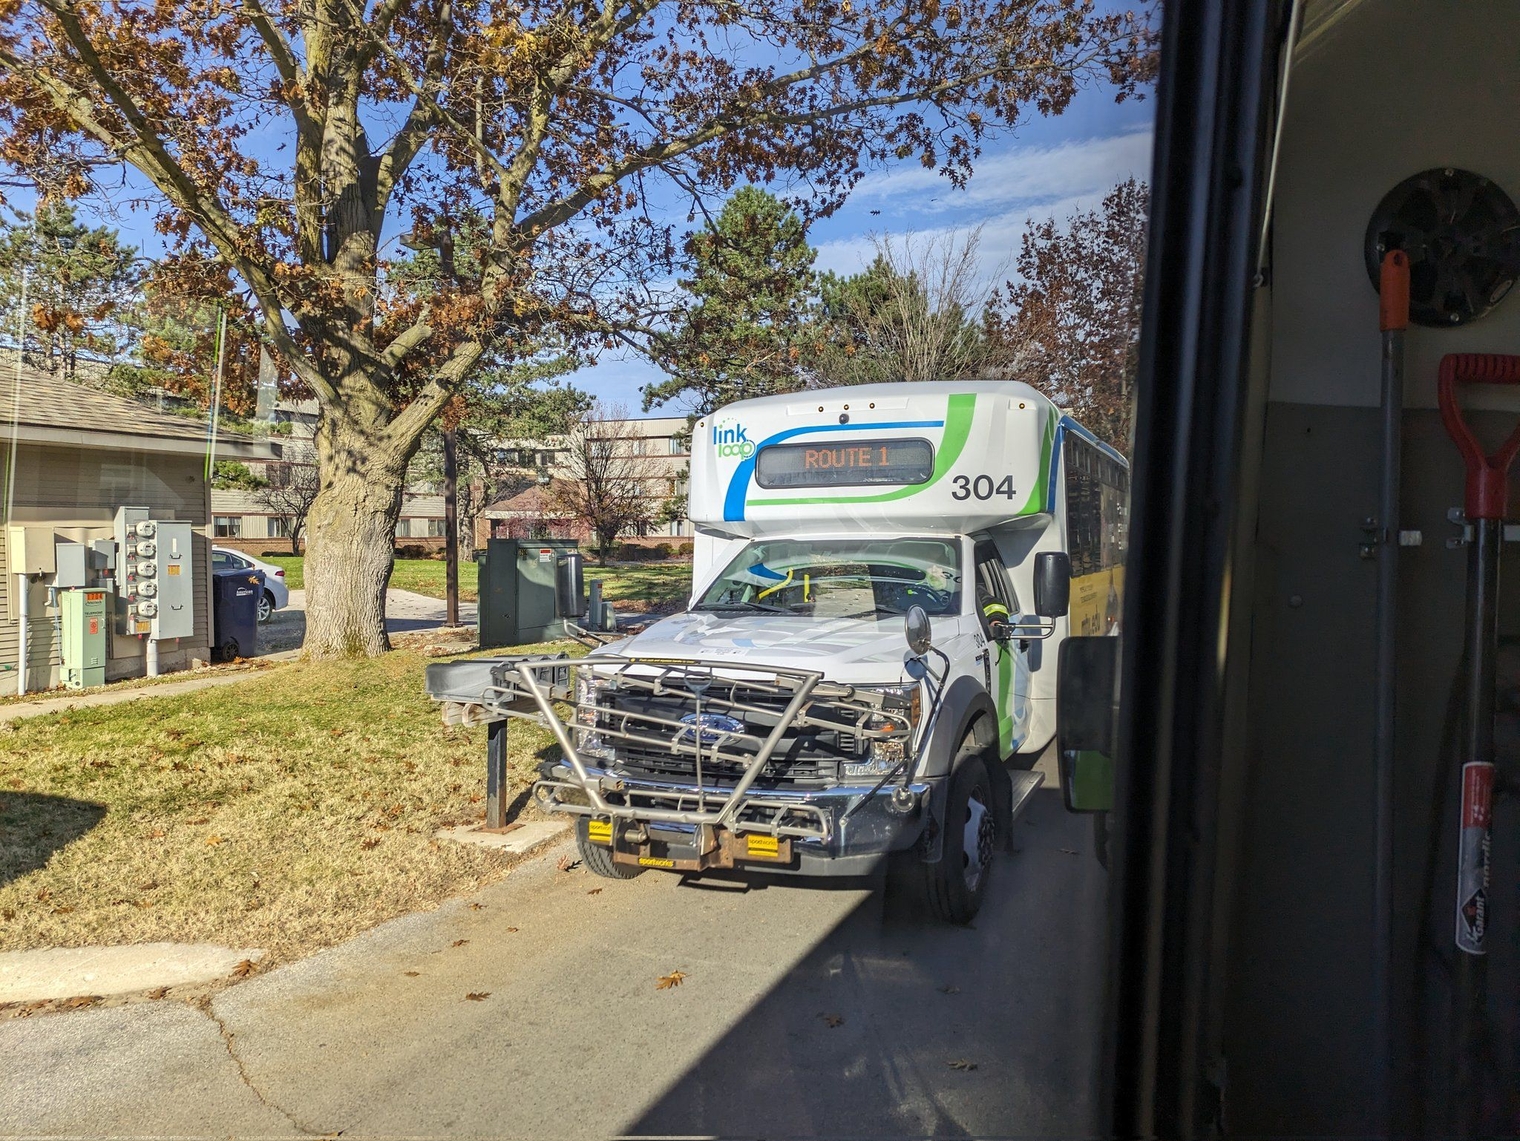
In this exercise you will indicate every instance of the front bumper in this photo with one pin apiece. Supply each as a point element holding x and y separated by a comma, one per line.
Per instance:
<point>842,831</point>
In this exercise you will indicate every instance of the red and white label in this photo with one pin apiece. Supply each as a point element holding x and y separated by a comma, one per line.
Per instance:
<point>1477,794</point>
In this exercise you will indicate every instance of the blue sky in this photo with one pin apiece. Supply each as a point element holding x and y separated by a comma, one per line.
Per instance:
<point>1048,167</point>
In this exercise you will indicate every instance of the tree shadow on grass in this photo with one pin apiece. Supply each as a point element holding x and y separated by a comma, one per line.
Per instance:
<point>34,825</point>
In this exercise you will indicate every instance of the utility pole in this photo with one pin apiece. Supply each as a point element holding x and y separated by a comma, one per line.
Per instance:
<point>450,472</point>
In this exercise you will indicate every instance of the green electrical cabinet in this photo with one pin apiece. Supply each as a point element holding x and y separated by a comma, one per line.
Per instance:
<point>84,637</point>
<point>517,590</point>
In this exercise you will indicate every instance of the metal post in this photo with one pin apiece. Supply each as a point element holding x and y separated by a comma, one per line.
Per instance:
<point>594,605</point>
<point>1474,835</point>
<point>152,661</point>
<point>1393,306</point>
<point>496,775</point>
<point>450,528</point>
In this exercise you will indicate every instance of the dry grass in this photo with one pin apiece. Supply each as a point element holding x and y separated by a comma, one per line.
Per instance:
<point>287,812</point>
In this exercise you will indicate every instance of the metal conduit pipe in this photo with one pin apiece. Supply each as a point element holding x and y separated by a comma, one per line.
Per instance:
<point>24,609</point>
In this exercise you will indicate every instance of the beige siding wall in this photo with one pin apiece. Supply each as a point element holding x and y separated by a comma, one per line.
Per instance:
<point>76,493</point>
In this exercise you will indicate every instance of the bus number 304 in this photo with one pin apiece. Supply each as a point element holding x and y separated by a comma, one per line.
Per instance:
<point>982,487</point>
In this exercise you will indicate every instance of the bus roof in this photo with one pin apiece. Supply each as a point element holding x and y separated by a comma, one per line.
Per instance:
<point>959,455</point>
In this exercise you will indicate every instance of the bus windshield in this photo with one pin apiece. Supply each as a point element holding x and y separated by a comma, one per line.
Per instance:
<point>840,578</point>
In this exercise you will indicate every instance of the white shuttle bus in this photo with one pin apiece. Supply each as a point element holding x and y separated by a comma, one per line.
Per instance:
<point>866,669</point>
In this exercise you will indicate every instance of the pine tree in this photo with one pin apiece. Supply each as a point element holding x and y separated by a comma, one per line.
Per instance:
<point>79,283</point>
<point>751,286</point>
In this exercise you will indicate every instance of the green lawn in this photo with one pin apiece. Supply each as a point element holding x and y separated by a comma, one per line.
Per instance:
<point>287,812</point>
<point>635,586</point>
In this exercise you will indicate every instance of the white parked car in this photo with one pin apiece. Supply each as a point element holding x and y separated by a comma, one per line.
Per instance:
<point>276,593</point>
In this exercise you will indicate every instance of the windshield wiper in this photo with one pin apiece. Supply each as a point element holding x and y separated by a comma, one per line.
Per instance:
<point>742,607</point>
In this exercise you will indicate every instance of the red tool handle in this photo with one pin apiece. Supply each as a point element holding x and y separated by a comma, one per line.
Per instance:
<point>1487,476</point>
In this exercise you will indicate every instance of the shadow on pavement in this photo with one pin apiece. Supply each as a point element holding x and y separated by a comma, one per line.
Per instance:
<point>897,1026</point>
<point>34,825</point>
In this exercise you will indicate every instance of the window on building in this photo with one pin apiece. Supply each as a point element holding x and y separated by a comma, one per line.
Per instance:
<point>675,446</point>
<point>279,527</point>
<point>435,528</point>
<point>228,526</point>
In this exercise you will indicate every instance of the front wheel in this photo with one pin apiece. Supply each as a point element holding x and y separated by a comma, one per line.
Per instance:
<point>598,858</point>
<point>266,607</point>
<point>955,887</point>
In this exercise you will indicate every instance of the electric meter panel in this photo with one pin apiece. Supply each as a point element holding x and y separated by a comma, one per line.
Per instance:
<point>174,579</point>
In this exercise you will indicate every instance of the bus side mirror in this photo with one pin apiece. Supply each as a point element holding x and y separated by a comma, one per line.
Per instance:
<point>1052,584</point>
<point>1087,704</point>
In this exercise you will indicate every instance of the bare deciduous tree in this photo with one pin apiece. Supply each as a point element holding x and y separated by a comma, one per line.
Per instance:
<point>914,314</point>
<point>606,476</point>
<point>291,498</point>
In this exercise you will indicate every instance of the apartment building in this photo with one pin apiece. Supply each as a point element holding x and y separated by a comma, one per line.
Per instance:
<point>658,451</point>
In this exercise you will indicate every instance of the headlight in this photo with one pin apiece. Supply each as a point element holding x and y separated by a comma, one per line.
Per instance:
<point>887,754</point>
<point>589,691</point>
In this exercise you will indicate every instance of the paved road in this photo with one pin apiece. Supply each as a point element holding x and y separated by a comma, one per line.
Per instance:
<point>572,1038</point>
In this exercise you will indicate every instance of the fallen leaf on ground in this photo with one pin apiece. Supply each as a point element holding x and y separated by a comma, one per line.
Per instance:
<point>566,864</point>
<point>459,942</point>
<point>62,910</point>
<point>960,1064</point>
<point>665,982</point>
<point>411,974</point>
<point>832,1020</point>
<point>476,906</point>
<point>79,1001</point>
<point>370,843</point>
<point>478,995</point>
<point>213,841</point>
<point>595,891</point>
<point>512,930</point>
<point>947,989</point>
<point>243,969</point>
<point>158,992</point>
<point>1069,851</point>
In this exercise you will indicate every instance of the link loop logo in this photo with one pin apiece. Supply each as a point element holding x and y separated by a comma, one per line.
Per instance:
<point>731,440</point>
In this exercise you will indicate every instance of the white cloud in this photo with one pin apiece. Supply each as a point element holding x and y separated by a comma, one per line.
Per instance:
<point>1023,175</point>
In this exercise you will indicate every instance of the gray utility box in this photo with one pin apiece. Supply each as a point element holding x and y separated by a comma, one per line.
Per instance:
<point>517,590</point>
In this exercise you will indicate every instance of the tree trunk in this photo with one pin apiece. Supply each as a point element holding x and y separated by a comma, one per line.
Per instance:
<point>350,542</point>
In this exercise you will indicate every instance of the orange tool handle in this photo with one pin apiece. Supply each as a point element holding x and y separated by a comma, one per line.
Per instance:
<point>1487,475</point>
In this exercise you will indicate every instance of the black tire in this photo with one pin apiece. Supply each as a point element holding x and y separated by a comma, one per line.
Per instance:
<point>598,858</point>
<point>266,607</point>
<point>955,887</point>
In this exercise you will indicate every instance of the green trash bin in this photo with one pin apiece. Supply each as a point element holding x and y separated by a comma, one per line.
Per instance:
<point>517,591</point>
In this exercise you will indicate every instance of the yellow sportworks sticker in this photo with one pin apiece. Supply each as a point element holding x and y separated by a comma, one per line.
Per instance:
<point>174,568</point>
<point>599,831</point>
<point>762,846</point>
<point>655,862</point>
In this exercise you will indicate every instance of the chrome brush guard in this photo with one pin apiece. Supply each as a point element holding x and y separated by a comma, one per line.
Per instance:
<point>738,717</point>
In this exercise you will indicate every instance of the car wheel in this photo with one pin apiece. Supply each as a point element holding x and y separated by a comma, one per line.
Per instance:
<point>266,607</point>
<point>956,885</point>
<point>598,858</point>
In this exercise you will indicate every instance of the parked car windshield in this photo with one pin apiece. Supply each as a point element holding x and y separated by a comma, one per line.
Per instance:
<point>840,578</point>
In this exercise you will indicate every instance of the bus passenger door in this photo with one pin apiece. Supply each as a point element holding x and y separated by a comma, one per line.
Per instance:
<point>1006,664</point>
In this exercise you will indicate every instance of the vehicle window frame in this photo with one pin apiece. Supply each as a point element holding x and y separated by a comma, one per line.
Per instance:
<point>984,551</point>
